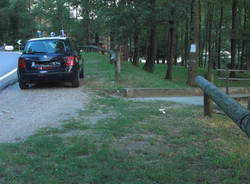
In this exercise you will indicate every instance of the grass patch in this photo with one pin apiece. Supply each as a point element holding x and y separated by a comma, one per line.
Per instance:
<point>136,77</point>
<point>128,142</point>
<point>104,75</point>
<point>136,144</point>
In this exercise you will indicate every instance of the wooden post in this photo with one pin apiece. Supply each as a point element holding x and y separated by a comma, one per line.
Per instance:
<point>233,109</point>
<point>248,107</point>
<point>208,103</point>
<point>117,67</point>
<point>248,103</point>
<point>227,81</point>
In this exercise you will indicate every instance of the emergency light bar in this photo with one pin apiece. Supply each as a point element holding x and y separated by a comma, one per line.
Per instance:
<point>52,34</point>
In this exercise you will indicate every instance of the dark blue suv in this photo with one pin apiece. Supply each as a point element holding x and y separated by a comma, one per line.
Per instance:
<point>50,59</point>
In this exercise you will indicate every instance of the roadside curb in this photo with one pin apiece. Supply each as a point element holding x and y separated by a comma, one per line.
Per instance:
<point>8,81</point>
<point>170,92</point>
<point>6,85</point>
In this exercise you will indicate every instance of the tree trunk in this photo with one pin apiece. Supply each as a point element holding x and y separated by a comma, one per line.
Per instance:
<point>59,15</point>
<point>164,60</point>
<point>86,24</point>
<point>210,27</point>
<point>149,65</point>
<point>136,48</point>
<point>182,43</point>
<point>194,39</point>
<point>243,50</point>
<point>175,51</point>
<point>124,52</point>
<point>200,50</point>
<point>112,40</point>
<point>248,56</point>
<point>86,21</point>
<point>171,50</point>
<point>157,57</point>
<point>29,7</point>
<point>96,39</point>
<point>233,39</point>
<point>215,47</point>
<point>220,34</point>
<point>186,43</point>
<point>247,42</point>
<point>130,53</point>
<point>206,40</point>
<point>206,51</point>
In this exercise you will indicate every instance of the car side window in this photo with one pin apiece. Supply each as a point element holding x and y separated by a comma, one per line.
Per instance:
<point>68,47</point>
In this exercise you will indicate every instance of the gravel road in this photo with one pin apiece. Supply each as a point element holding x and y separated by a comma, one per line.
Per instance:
<point>22,112</point>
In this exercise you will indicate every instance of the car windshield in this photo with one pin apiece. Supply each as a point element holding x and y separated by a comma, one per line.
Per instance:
<point>45,46</point>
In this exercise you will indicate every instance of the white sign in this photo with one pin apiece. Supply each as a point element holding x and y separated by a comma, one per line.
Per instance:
<point>19,42</point>
<point>193,48</point>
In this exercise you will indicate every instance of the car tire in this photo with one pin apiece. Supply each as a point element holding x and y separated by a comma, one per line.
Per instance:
<point>76,81</point>
<point>82,73</point>
<point>23,85</point>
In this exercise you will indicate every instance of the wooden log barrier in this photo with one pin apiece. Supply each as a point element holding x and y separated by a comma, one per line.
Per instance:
<point>233,109</point>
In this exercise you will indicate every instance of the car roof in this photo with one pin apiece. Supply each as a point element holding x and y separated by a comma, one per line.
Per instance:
<point>49,38</point>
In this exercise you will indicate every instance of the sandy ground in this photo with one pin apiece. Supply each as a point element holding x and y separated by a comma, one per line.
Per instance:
<point>22,112</point>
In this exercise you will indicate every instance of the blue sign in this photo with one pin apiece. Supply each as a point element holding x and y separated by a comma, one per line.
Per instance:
<point>62,32</point>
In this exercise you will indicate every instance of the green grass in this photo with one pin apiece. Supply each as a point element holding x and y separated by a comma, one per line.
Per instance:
<point>117,141</point>
<point>133,143</point>
<point>131,76</point>
<point>136,77</point>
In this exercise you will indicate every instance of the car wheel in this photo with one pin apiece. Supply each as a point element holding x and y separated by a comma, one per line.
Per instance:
<point>76,81</point>
<point>23,85</point>
<point>82,73</point>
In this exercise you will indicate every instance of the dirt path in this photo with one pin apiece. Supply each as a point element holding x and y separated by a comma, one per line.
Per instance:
<point>22,112</point>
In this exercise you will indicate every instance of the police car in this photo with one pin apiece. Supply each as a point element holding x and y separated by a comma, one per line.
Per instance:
<point>50,59</point>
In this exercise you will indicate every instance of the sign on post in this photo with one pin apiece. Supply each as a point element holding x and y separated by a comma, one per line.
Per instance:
<point>19,44</point>
<point>193,48</point>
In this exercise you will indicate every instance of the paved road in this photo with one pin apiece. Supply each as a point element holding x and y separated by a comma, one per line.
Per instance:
<point>8,65</point>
